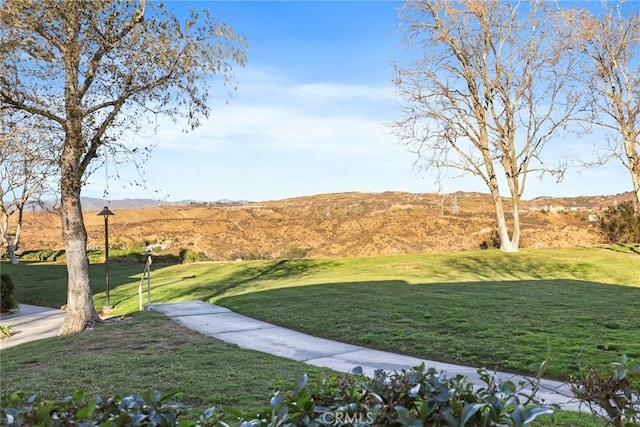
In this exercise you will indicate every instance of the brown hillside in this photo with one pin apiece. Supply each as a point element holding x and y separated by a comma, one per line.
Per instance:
<point>331,225</point>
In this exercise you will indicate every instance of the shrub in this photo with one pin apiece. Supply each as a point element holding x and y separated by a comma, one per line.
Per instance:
<point>189,255</point>
<point>493,242</point>
<point>41,255</point>
<point>620,224</point>
<point>164,259</point>
<point>7,302</point>
<point>153,409</point>
<point>249,256</point>
<point>416,396</point>
<point>296,253</point>
<point>614,390</point>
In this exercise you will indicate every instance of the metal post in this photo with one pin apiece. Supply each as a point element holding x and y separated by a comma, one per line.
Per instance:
<point>149,280</point>
<point>106,213</point>
<point>106,260</point>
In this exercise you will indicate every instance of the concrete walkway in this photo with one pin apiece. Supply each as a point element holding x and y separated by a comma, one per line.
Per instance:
<point>225,325</point>
<point>31,322</point>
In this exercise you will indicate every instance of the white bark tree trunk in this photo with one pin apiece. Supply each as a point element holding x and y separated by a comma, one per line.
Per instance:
<point>634,167</point>
<point>506,243</point>
<point>12,254</point>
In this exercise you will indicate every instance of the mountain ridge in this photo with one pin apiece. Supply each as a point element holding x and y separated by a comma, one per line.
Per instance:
<point>330,225</point>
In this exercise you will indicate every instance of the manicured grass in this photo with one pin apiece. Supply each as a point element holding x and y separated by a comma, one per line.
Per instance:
<point>45,283</point>
<point>505,325</point>
<point>146,352</point>
<point>481,308</point>
<point>509,310</point>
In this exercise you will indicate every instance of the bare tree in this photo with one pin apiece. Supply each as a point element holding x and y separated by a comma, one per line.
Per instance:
<point>27,171</point>
<point>484,94</point>
<point>607,47</point>
<point>97,69</point>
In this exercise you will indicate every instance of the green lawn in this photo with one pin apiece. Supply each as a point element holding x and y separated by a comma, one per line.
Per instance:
<point>478,308</point>
<point>149,351</point>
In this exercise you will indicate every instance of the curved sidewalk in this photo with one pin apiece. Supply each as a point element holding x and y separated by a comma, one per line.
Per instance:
<point>31,322</point>
<point>225,325</point>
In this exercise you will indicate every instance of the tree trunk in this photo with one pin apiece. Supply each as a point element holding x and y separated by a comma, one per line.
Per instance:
<point>4,233</point>
<point>515,208</point>
<point>12,254</point>
<point>81,312</point>
<point>634,168</point>
<point>13,247</point>
<point>80,309</point>
<point>506,244</point>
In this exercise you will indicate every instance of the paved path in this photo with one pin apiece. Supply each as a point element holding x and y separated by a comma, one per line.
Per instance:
<point>31,322</point>
<point>225,325</point>
<point>34,323</point>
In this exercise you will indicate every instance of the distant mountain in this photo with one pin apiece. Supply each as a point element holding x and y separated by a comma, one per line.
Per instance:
<point>95,204</point>
<point>328,225</point>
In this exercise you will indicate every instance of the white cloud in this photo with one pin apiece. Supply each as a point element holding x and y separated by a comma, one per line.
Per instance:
<point>281,115</point>
<point>281,138</point>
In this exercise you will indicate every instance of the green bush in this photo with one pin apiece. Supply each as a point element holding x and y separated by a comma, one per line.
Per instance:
<point>249,256</point>
<point>41,255</point>
<point>414,397</point>
<point>418,396</point>
<point>153,409</point>
<point>296,253</point>
<point>164,259</point>
<point>189,255</point>
<point>620,224</point>
<point>7,302</point>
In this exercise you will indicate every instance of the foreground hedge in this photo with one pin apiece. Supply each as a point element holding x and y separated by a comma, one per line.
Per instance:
<point>417,396</point>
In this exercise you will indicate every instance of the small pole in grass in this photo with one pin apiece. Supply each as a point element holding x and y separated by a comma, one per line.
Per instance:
<point>106,213</point>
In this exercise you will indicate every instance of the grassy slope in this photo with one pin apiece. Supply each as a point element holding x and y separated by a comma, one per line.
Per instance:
<point>476,308</point>
<point>148,352</point>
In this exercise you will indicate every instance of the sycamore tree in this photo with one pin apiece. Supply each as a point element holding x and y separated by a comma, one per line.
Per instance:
<point>606,44</point>
<point>27,169</point>
<point>484,92</point>
<point>98,70</point>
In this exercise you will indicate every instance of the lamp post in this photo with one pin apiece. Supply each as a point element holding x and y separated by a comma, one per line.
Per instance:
<point>106,213</point>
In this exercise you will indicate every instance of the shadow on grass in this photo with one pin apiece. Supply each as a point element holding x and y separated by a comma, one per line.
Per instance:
<point>280,268</point>
<point>624,249</point>
<point>517,267</point>
<point>271,271</point>
<point>283,269</point>
<point>45,283</point>
<point>510,325</point>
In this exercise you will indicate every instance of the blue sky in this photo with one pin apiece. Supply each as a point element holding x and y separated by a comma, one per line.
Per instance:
<point>308,117</point>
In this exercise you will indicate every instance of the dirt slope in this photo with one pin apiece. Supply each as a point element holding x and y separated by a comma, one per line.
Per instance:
<point>331,225</point>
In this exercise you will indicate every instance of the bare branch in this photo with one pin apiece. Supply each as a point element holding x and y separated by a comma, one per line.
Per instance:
<point>485,95</point>
<point>606,45</point>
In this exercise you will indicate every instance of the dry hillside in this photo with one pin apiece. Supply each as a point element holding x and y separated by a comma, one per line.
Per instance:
<point>331,225</point>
